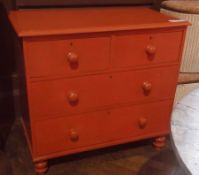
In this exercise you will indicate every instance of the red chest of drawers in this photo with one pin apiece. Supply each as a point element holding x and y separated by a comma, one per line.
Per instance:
<point>95,77</point>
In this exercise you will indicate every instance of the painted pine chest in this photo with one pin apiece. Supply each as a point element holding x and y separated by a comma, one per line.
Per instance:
<point>95,77</point>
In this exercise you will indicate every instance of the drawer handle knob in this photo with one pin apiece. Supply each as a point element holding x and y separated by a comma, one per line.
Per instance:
<point>142,122</point>
<point>147,87</point>
<point>151,50</point>
<point>73,97</point>
<point>74,136</point>
<point>72,58</point>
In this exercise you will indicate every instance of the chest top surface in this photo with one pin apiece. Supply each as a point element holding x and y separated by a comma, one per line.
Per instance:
<point>86,20</point>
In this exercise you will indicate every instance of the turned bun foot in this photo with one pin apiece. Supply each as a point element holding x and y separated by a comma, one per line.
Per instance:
<point>159,143</point>
<point>41,167</point>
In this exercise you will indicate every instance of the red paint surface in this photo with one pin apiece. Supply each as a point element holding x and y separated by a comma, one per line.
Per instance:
<point>108,126</point>
<point>121,88</point>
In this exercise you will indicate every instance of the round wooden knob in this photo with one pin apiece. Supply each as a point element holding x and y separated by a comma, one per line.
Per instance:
<point>72,58</point>
<point>73,97</point>
<point>151,50</point>
<point>142,122</point>
<point>74,136</point>
<point>147,86</point>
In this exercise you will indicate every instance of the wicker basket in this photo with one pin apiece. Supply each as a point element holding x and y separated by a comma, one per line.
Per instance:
<point>190,60</point>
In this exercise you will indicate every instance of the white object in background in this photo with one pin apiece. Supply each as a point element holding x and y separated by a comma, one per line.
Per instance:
<point>185,132</point>
<point>184,89</point>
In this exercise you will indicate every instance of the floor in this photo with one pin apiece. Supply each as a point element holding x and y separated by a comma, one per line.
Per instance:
<point>138,158</point>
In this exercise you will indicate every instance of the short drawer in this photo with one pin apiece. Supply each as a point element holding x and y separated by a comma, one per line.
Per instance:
<point>103,128</point>
<point>149,48</point>
<point>82,94</point>
<point>62,56</point>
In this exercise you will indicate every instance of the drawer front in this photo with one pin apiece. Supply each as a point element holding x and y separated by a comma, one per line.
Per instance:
<point>69,96</point>
<point>104,127</point>
<point>65,57</point>
<point>138,49</point>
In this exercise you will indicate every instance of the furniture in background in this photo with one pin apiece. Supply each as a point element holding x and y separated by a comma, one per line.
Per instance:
<point>185,132</point>
<point>53,3</point>
<point>7,112</point>
<point>189,72</point>
<point>8,4</point>
<point>95,83</point>
<point>24,4</point>
<point>7,65</point>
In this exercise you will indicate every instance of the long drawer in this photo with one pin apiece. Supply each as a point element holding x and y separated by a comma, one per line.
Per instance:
<point>97,129</point>
<point>69,96</point>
